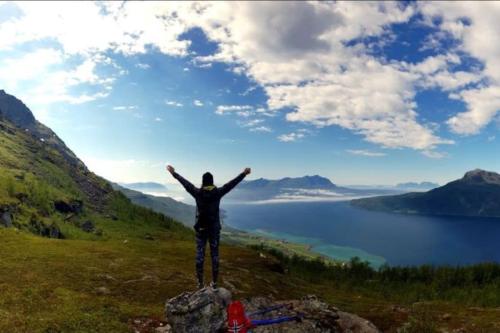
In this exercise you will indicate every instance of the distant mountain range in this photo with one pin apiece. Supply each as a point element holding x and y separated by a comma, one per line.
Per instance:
<point>412,186</point>
<point>476,194</point>
<point>287,182</point>
<point>145,186</point>
<point>299,188</point>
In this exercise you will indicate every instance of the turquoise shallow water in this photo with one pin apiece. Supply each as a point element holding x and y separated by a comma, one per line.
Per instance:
<point>340,231</point>
<point>342,253</point>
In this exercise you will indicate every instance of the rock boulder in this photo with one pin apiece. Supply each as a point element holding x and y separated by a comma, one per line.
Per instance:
<point>200,311</point>
<point>5,217</point>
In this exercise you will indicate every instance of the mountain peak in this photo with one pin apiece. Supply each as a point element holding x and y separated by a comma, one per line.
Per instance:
<point>315,181</point>
<point>482,176</point>
<point>15,111</point>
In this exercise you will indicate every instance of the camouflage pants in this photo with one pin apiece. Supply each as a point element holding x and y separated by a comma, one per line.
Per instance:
<point>212,236</point>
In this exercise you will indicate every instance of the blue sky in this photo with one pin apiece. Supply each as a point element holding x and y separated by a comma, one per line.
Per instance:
<point>362,93</point>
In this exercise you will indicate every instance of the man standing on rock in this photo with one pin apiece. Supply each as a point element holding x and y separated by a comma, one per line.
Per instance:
<point>207,224</point>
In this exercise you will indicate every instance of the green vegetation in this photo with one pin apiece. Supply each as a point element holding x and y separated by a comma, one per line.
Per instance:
<point>422,297</point>
<point>475,285</point>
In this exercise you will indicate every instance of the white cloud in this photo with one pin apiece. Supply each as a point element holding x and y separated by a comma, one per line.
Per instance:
<point>125,107</point>
<point>173,103</point>
<point>41,78</point>
<point>261,129</point>
<point>28,66</point>
<point>367,153</point>
<point>241,110</point>
<point>198,102</point>
<point>279,45</point>
<point>91,27</point>
<point>254,125</point>
<point>434,154</point>
<point>158,119</point>
<point>143,66</point>
<point>482,106</point>
<point>80,34</point>
<point>475,26</point>
<point>252,122</point>
<point>297,53</point>
<point>291,137</point>
<point>265,112</point>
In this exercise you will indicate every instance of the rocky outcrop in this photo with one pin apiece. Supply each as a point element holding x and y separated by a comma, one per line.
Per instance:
<point>88,226</point>
<point>200,311</point>
<point>5,217</point>
<point>205,311</point>
<point>73,207</point>
<point>318,317</point>
<point>15,111</point>
<point>38,227</point>
<point>349,322</point>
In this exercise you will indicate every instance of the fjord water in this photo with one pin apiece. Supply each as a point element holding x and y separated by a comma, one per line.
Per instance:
<point>339,230</point>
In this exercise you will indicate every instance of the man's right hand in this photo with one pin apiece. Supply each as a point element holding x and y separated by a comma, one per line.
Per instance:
<point>170,169</point>
<point>247,171</point>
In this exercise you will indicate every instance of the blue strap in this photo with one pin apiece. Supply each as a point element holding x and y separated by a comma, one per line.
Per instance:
<point>263,322</point>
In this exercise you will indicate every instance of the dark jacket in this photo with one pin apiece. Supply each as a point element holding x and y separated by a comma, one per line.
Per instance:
<point>207,201</point>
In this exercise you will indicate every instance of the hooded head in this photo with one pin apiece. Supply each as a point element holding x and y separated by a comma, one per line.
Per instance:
<point>207,180</point>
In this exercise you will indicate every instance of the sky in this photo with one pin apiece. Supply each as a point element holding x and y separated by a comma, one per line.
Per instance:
<point>363,93</point>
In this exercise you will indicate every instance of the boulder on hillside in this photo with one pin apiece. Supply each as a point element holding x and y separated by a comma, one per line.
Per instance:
<point>200,311</point>
<point>205,311</point>
<point>40,228</point>
<point>88,226</point>
<point>74,206</point>
<point>5,217</point>
<point>349,322</point>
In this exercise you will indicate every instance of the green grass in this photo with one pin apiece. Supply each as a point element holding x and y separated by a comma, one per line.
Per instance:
<point>52,285</point>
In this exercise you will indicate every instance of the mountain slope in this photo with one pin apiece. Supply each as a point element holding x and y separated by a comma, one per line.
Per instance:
<point>179,211</point>
<point>45,188</point>
<point>476,194</point>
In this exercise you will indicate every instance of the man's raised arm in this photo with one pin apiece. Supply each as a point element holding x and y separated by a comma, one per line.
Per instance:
<point>230,185</point>
<point>184,182</point>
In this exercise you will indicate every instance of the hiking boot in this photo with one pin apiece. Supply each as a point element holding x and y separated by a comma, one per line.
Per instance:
<point>213,285</point>
<point>200,285</point>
